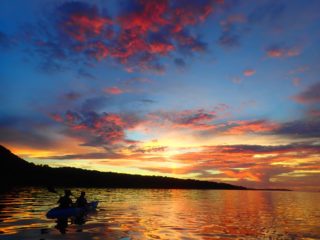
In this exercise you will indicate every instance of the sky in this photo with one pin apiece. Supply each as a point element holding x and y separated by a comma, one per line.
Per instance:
<point>218,90</point>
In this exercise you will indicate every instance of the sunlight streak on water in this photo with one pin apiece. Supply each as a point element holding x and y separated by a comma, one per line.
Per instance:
<point>166,214</point>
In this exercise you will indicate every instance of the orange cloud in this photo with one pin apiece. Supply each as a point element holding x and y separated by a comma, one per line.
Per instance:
<point>243,175</point>
<point>255,163</point>
<point>242,127</point>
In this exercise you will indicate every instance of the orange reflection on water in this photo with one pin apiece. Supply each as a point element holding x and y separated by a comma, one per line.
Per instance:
<point>170,214</point>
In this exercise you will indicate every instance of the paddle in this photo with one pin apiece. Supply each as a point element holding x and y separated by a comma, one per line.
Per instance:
<point>51,189</point>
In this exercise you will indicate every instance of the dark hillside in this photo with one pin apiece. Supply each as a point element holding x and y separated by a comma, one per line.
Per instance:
<point>17,172</point>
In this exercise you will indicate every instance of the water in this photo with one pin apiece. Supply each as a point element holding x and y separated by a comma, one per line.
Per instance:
<point>166,214</point>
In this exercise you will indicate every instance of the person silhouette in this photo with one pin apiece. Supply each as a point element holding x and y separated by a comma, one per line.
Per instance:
<point>81,200</point>
<point>65,201</point>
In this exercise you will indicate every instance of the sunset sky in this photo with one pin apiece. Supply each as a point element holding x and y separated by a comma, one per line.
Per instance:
<point>217,90</point>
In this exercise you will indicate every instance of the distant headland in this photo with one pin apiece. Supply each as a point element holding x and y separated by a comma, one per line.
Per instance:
<point>15,171</point>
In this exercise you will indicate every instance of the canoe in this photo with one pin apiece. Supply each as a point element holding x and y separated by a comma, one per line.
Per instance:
<point>71,211</point>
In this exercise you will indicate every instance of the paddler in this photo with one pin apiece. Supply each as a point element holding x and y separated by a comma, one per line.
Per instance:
<point>65,201</point>
<point>81,200</point>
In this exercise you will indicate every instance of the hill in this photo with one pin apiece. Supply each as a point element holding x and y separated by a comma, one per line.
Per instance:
<point>15,171</point>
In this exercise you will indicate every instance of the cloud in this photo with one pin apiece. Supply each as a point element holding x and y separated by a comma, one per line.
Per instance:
<point>299,70</point>
<point>314,112</point>
<point>72,96</point>
<point>264,149</point>
<point>310,95</point>
<point>189,119</point>
<point>281,51</point>
<point>229,39</point>
<point>85,74</point>
<point>205,121</point>
<point>25,132</point>
<point>304,128</point>
<point>131,85</point>
<point>95,103</point>
<point>98,129</point>
<point>243,127</point>
<point>254,163</point>
<point>82,21</point>
<point>148,101</point>
<point>26,138</point>
<point>240,174</point>
<point>249,72</point>
<point>56,117</point>
<point>221,107</point>
<point>113,90</point>
<point>136,80</point>
<point>228,22</point>
<point>180,62</point>
<point>138,149</point>
<point>138,37</point>
<point>84,156</point>
<point>231,30</point>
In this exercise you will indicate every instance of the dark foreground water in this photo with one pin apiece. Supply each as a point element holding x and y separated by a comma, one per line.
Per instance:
<point>166,214</point>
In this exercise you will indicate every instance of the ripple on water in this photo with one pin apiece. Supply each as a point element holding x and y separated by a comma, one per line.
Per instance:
<point>166,214</point>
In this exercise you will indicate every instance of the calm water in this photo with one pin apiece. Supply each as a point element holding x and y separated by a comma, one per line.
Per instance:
<point>166,214</point>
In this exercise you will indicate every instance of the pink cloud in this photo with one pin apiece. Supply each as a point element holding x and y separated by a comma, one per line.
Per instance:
<point>98,50</point>
<point>161,48</point>
<point>81,26</point>
<point>56,117</point>
<point>249,72</point>
<point>113,90</point>
<point>139,36</point>
<point>283,51</point>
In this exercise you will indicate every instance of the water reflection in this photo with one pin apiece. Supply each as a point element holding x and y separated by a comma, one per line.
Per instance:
<point>62,224</point>
<point>165,214</point>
